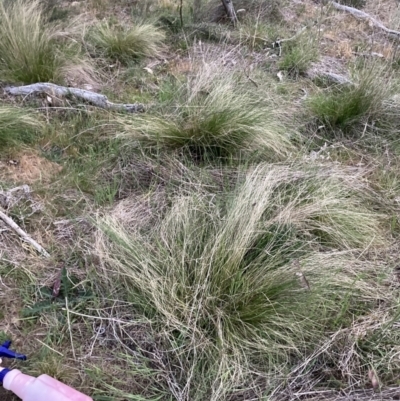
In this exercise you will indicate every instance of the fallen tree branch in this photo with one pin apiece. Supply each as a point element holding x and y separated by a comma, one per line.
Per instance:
<point>95,99</point>
<point>363,15</point>
<point>11,223</point>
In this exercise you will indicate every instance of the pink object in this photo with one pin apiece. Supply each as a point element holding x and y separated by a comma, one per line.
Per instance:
<point>43,388</point>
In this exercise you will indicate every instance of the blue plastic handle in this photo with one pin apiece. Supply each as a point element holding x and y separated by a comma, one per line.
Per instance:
<point>5,352</point>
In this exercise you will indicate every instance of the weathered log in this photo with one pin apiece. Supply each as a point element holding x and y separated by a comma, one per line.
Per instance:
<point>93,98</point>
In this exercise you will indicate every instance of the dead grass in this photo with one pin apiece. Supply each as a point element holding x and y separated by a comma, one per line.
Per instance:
<point>28,167</point>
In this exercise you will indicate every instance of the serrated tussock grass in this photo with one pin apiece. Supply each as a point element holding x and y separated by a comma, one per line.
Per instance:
<point>233,283</point>
<point>35,50</point>
<point>210,115</point>
<point>347,107</point>
<point>297,55</point>
<point>126,43</point>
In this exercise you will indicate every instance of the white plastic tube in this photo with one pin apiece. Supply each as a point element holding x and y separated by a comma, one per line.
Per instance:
<point>42,388</point>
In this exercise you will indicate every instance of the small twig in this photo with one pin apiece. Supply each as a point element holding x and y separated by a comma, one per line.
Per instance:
<point>69,328</point>
<point>372,54</point>
<point>95,99</point>
<point>303,280</point>
<point>6,197</point>
<point>10,222</point>
<point>247,74</point>
<point>48,346</point>
<point>363,15</point>
<point>329,76</point>
<point>251,80</point>
<point>296,35</point>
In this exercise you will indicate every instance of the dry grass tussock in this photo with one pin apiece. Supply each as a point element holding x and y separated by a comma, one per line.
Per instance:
<point>36,50</point>
<point>209,115</point>
<point>223,279</point>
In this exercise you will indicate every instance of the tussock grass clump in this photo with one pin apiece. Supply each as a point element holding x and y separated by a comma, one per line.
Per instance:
<point>346,107</point>
<point>35,50</point>
<point>226,279</point>
<point>17,125</point>
<point>297,55</point>
<point>126,43</point>
<point>210,115</point>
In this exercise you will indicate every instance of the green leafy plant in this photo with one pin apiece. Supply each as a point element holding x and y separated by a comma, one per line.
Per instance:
<point>53,299</point>
<point>3,336</point>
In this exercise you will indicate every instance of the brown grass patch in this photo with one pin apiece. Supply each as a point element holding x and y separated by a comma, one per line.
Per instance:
<point>29,167</point>
<point>136,212</point>
<point>181,66</point>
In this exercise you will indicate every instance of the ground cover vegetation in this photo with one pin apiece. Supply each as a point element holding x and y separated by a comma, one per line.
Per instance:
<point>237,240</point>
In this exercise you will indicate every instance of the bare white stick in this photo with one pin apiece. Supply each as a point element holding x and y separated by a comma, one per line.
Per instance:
<point>95,99</point>
<point>10,222</point>
<point>362,15</point>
